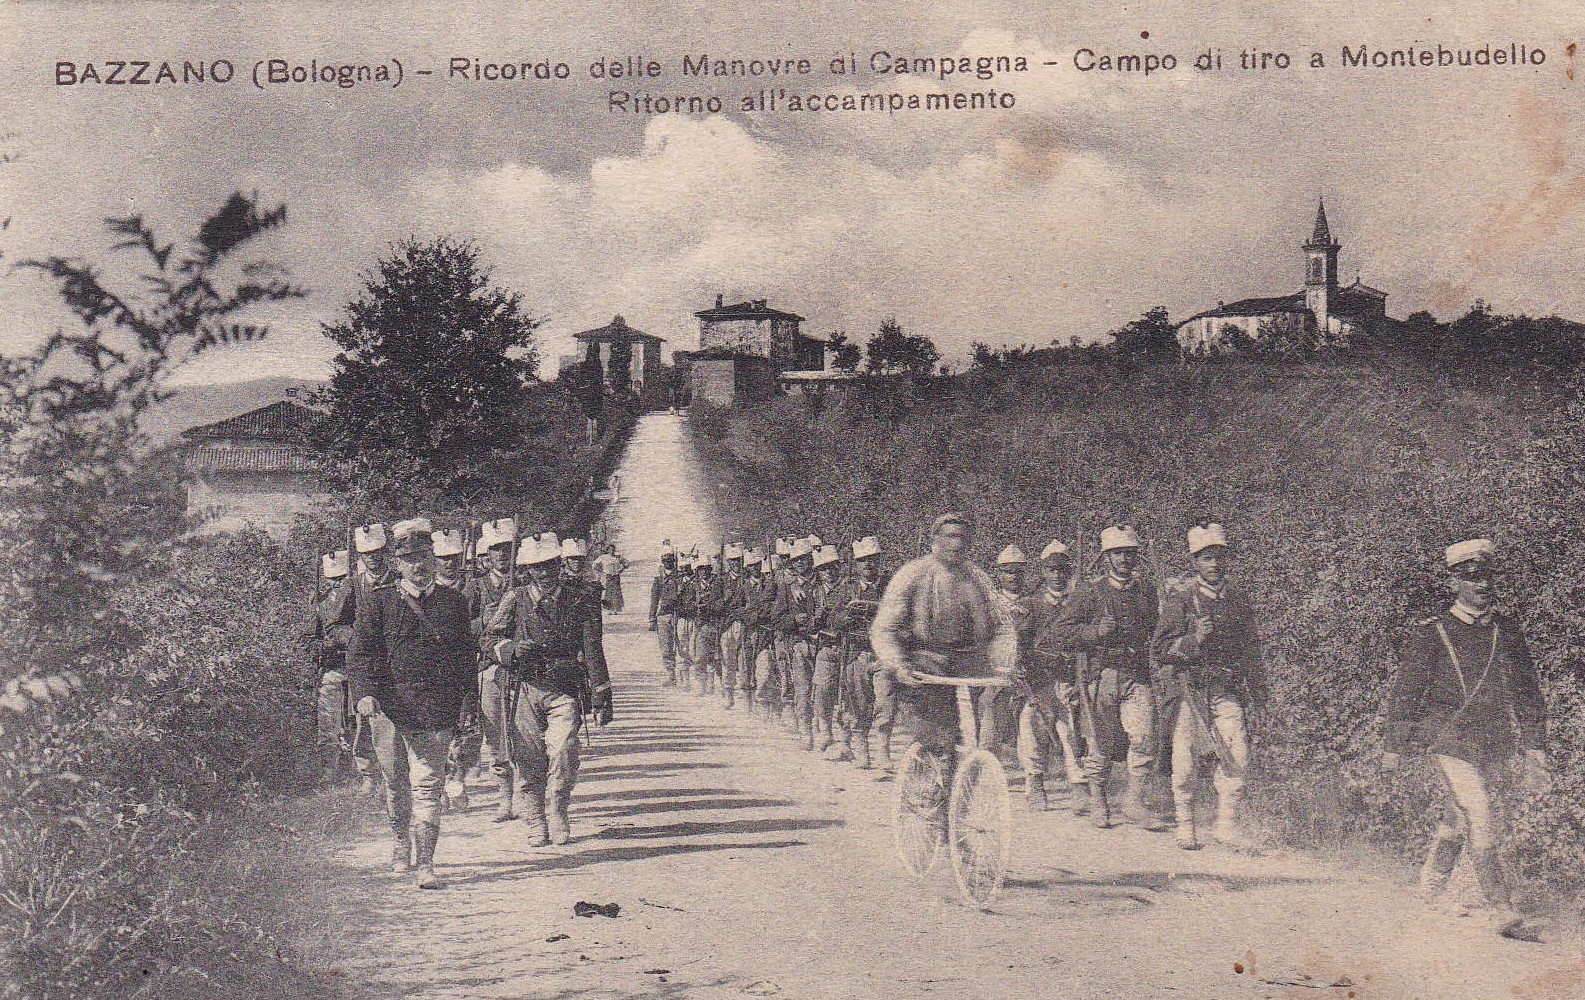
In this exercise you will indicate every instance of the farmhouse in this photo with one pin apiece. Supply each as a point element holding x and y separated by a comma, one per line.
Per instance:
<point>1322,314</point>
<point>744,347</point>
<point>255,469</point>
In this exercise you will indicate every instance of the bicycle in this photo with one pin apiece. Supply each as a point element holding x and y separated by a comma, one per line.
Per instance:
<point>978,828</point>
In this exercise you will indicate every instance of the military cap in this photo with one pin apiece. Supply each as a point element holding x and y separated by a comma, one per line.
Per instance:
<point>1119,536</point>
<point>666,549</point>
<point>413,536</point>
<point>867,546</point>
<point>540,548</point>
<point>801,548</point>
<point>733,550</point>
<point>783,547</point>
<point>813,540</point>
<point>774,562</point>
<point>448,541</point>
<point>1054,550</point>
<point>334,565</point>
<point>574,547</point>
<point>951,517</point>
<point>1458,553</point>
<point>703,561</point>
<point>826,555</point>
<point>501,531</point>
<point>1012,556</point>
<point>369,538</point>
<point>1204,536</point>
<point>754,556</point>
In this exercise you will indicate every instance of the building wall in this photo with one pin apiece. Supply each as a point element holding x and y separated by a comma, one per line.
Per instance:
<point>267,501</point>
<point>748,336</point>
<point>715,381</point>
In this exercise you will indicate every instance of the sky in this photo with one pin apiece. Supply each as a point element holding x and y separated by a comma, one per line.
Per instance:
<point>1097,196</point>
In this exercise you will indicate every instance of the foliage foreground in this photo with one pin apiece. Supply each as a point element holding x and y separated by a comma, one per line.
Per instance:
<point>1341,485</point>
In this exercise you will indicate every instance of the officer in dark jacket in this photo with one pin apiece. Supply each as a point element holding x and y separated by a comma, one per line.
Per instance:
<point>1468,696</point>
<point>664,600</point>
<point>557,659</point>
<point>411,667</point>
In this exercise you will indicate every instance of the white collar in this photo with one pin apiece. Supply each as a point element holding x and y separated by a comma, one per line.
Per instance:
<point>1468,615</point>
<point>414,592</point>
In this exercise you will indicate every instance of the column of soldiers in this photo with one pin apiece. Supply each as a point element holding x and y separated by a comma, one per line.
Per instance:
<point>1117,667</point>
<point>430,653</point>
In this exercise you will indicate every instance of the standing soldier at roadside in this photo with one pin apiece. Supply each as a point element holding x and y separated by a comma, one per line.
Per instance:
<point>1468,696</point>
<point>411,667</point>
<point>1207,640</point>
<point>733,585</point>
<point>1053,707</point>
<point>497,539</point>
<point>709,615</point>
<point>466,739</point>
<point>998,714</point>
<point>554,655</point>
<point>866,690</point>
<point>665,597</point>
<point>797,620</point>
<point>1110,622</point>
<point>825,683</point>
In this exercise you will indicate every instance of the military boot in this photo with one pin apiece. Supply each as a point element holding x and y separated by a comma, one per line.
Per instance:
<point>1035,792</point>
<point>1079,797</point>
<point>1135,809</point>
<point>827,737</point>
<point>861,751</point>
<point>534,816</point>
<point>457,793</point>
<point>1439,864</point>
<point>844,746</point>
<point>729,695</point>
<point>560,826</point>
<point>1100,809</point>
<point>425,836</point>
<point>503,809</point>
<point>1185,834</point>
<point>401,848</point>
<point>886,751</point>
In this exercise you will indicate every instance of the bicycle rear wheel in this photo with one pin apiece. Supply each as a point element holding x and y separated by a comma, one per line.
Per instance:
<point>917,822</point>
<point>979,827</point>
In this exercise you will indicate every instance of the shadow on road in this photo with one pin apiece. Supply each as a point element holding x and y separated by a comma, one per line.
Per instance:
<point>479,872</point>
<point>686,805</point>
<point>702,829</point>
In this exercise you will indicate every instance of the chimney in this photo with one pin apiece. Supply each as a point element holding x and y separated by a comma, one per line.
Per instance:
<point>718,300</point>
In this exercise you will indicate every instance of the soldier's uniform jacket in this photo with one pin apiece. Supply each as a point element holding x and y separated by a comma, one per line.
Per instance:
<point>335,626</point>
<point>419,666</point>
<point>559,637</point>
<point>1483,707</point>
<point>665,594</point>
<point>759,599</point>
<point>793,599</point>
<point>484,596</point>
<point>1134,611</point>
<point>1046,657</point>
<point>732,596</point>
<point>710,600</point>
<point>1228,661</point>
<point>856,602</point>
<point>687,595</point>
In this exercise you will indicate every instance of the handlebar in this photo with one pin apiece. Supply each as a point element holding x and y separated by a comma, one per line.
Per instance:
<point>982,682</point>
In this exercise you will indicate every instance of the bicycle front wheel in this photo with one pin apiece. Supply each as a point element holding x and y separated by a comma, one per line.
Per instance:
<point>916,819</point>
<point>979,827</point>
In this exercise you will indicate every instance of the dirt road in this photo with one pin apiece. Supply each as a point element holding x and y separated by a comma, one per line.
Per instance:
<point>747,867</point>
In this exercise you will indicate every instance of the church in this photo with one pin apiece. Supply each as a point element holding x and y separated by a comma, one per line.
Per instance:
<point>1324,314</point>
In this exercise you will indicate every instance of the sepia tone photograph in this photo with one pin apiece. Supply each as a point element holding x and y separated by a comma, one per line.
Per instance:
<point>818,502</point>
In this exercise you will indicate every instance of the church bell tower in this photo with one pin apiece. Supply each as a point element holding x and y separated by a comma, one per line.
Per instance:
<point>1320,270</point>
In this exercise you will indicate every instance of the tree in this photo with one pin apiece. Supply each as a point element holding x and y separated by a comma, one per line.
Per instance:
<point>1151,337</point>
<point>893,352</point>
<point>845,355</point>
<point>428,394</point>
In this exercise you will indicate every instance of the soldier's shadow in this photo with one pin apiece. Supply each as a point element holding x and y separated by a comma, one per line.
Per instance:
<point>479,873</point>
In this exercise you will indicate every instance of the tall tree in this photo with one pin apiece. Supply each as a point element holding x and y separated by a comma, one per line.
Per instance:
<point>1151,337</point>
<point>893,352</point>
<point>429,387</point>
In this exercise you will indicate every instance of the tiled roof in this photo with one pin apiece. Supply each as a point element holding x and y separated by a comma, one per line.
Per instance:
<point>756,309</point>
<point>1257,307</point>
<point>209,459</point>
<point>282,421</point>
<point>613,331</point>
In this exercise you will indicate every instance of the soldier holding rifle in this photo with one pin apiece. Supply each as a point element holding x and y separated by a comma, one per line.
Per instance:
<point>1110,621</point>
<point>1467,695</point>
<point>665,599</point>
<point>451,571</point>
<point>497,539</point>
<point>733,583</point>
<point>796,618</point>
<point>709,617</point>
<point>1051,706</point>
<point>759,593</point>
<point>411,667</point>
<point>336,726</point>
<point>1207,642</point>
<point>824,682</point>
<point>866,690</point>
<point>554,655</point>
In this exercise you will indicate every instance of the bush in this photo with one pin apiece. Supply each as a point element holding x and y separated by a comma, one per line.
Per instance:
<point>1341,483</point>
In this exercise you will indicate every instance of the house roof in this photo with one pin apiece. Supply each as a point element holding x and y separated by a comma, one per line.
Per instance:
<point>1360,286</point>
<point>211,458</point>
<point>1256,307</point>
<point>752,309</point>
<point>284,421</point>
<point>616,330</point>
<point>818,375</point>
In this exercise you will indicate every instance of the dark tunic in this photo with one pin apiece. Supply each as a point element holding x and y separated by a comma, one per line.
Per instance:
<point>792,600</point>
<point>420,669</point>
<point>559,638</point>
<point>1045,656</point>
<point>664,595</point>
<point>1228,661</point>
<point>1482,708</point>
<point>1133,609</point>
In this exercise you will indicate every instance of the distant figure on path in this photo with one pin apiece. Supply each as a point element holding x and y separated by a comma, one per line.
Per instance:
<point>611,566</point>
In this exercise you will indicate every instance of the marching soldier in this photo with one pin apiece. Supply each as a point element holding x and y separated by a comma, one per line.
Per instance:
<point>1012,605</point>
<point>866,690</point>
<point>497,539</point>
<point>466,740</point>
<point>575,563</point>
<point>337,729</point>
<point>1052,706</point>
<point>556,663</point>
<point>772,664</point>
<point>410,668</point>
<point>759,596</point>
<point>1207,640</point>
<point>372,569</point>
<point>1468,696</point>
<point>665,599</point>
<point>733,593</point>
<point>797,620</point>
<point>709,617</point>
<point>687,607</point>
<point>1110,621</point>
<point>825,682</point>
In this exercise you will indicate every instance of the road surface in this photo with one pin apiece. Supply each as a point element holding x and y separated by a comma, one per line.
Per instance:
<point>747,867</point>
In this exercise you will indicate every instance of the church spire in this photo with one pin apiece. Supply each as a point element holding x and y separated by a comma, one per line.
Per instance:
<point>1322,236</point>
